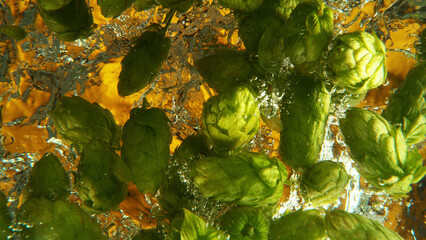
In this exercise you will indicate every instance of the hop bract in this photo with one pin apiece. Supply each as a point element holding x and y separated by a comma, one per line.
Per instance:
<point>245,223</point>
<point>381,152</point>
<point>304,114</point>
<point>407,105</point>
<point>247,179</point>
<point>44,219</point>
<point>113,8</point>
<point>358,62</point>
<point>324,182</point>
<point>307,33</point>
<point>342,225</point>
<point>14,32</point>
<point>81,122</point>
<point>231,119</point>
<point>48,179</point>
<point>300,225</point>
<point>70,20</point>
<point>98,187</point>
<point>143,62</point>
<point>145,149</point>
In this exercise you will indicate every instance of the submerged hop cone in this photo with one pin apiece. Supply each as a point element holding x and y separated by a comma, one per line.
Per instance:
<point>113,8</point>
<point>300,225</point>
<point>342,225</point>
<point>98,187</point>
<point>307,33</point>
<point>231,119</point>
<point>358,62</point>
<point>243,5</point>
<point>143,62</point>
<point>304,115</point>
<point>44,219</point>
<point>71,21</point>
<point>245,223</point>
<point>407,105</point>
<point>146,147</point>
<point>324,182</point>
<point>48,179</point>
<point>247,179</point>
<point>381,152</point>
<point>80,122</point>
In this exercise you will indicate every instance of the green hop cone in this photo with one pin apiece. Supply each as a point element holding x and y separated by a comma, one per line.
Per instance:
<point>78,121</point>
<point>245,223</point>
<point>5,219</point>
<point>407,105</point>
<point>143,62</point>
<point>304,114</point>
<point>235,69</point>
<point>342,225</point>
<point>324,182</point>
<point>271,47</point>
<point>173,193</point>
<point>247,179</point>
<point>14,32</point>
<point>50,5</point>
<point>358,62</point>
<point>141,5</point>
<point>381,152</point>
<point>150,234</point>
<point>56,220</point>
<point>48,179</point>
<point>300,225</point>
<point>308,31</point>
<point>98,187</point>
<point>242,5</point>
<point>283,8</point>
<point>145,149</point>
<point>70,22</point>
<point>113,8</point>
<point>231,119</point>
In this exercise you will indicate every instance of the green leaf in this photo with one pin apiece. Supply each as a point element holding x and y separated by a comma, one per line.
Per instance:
<point>194,228</point>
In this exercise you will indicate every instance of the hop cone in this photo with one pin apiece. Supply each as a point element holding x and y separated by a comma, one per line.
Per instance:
<point>48,179</point>
<point>304,114</point>
<point>56,220</point>
<point>80,122</point>
<point>358,62</point>
<point>143,62</point>
<point>247,179</point>
<point>324,182</point>
<point>245,223</point>
<point>342,225</point>
<point>407,105</point>
<point>300,225</point>
<point>271,47</point>
<point>71,21</point>
<point>380,151</point>
<point>145,149</point>
<point>97,185</point>
<point>283,8</point>
<point>243,5</point>
<point>50,5</point>
<point>113,8</point>
<point>307,33</point>
<point>235,69</point>
<point>231,119</point>
<point>5,219</point>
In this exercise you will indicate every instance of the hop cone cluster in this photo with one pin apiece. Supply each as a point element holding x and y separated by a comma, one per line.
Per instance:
<point>358,62</point>
<point>80,122</point>
<point>381,152</point>
<point>231,119</point>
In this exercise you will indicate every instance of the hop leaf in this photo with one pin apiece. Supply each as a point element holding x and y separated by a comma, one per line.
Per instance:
<point>48,179</point>
<point>247,179</point>
<point>380,151</point>
<point>97,185</point>
<point>50,5</point>
<point>231,119</point>
<point>245,223</point>
<point>143,62</point>
<point>304,114</point>
<point>300,225</point>
<point>13,32</point>
<point>80,122</point>
<point>324,182</point>
<point>70,21</point>
<point>113,8</point>
<point>194,228</point>
<point>342,225</point>
<point>145,149</point>
<point>358,62</point>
